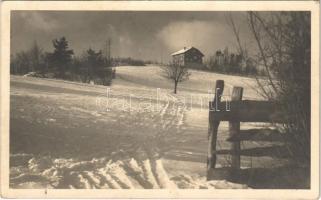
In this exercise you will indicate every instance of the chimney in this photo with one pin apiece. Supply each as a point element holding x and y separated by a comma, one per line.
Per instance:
<point>184,48</point>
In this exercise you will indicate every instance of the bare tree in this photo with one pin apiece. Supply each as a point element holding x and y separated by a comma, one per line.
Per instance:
<point>177,73</point>
<point>35,55</point>
<point>247,63</point>
<point>241,48</point>
<point>283,41</point>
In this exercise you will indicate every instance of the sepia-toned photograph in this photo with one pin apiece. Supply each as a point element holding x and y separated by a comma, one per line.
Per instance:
<point>161,99</point>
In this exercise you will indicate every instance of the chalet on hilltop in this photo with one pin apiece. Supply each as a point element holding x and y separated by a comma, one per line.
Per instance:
<point>188,57</point>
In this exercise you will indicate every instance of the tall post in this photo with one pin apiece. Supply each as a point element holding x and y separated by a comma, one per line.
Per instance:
<point>161,61</point>
<point>234,129</point>
<point>109,53</point>
<point>213,127</point>
<point>106,48</point>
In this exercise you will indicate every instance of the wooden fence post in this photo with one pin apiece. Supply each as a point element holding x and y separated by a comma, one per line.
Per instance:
<point>213,127</point>
<point>234,129</point>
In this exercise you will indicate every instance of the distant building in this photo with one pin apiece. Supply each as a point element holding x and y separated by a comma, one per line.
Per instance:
<point>224,61</point>
<point>219,58</point>
<point>188,57</point>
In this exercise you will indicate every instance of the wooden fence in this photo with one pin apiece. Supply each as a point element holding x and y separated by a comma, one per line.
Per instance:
<point>236,111</point>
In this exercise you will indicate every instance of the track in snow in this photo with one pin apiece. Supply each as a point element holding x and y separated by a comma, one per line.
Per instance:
<point>104,173</point>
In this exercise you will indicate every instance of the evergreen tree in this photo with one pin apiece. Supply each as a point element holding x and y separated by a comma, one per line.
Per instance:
<point>61,58</point>
<point>95,63</point>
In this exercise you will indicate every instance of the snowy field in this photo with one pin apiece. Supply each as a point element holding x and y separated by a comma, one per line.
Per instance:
<point>132,135</point>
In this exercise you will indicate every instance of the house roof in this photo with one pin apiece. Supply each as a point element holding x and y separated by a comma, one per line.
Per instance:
<point>185,49</point>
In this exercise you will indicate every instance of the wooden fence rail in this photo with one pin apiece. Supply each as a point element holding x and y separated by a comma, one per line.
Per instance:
<point>236,111</point>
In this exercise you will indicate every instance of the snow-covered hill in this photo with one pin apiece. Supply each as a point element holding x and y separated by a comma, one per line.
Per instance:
<point>134,134</point>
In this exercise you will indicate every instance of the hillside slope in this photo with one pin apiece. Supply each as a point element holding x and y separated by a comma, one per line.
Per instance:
<point>131,135</point>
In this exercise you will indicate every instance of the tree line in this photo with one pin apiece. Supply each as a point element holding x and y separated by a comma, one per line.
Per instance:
<point>232,63</point>
<point>91,67</point>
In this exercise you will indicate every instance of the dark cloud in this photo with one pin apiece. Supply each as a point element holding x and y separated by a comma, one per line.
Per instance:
<point>143,34</point>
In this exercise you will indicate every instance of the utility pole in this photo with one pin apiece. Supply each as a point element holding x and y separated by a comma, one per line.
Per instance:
<point>161,62</point>
<point>108,50</point>
<point>109,46</point>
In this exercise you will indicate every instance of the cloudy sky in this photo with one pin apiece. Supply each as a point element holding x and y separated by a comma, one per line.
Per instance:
<point>143,35</point>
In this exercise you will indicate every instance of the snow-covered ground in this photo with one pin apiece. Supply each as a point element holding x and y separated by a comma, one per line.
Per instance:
<point>134,134</point>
